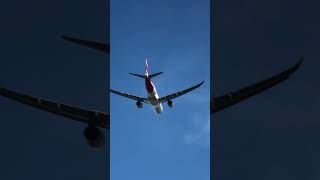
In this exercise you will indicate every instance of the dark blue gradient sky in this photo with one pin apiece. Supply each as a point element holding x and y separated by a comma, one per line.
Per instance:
<point>274,135</point>
<point>34,60</point>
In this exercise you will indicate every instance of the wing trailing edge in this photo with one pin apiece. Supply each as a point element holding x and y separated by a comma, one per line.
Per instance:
<point>102,47</point>
<point>79,114</point>
<point>180,93</point>
<point>222,102</point>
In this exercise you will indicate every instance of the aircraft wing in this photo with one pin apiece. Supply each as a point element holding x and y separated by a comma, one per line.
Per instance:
<point>227,100</point>
<point>87,116</point>
<point>180,93</point>
<point>94,45</point>
<point>137,98</point>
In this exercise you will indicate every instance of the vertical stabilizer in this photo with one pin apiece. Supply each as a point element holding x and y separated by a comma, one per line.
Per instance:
<point>147,68</point>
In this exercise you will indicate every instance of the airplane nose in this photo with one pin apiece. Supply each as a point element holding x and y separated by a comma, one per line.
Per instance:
<point>158,109</point>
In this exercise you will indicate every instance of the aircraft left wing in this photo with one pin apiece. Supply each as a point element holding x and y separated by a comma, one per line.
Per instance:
<point>180,93</point>
<point>87,116</point>
<point>227,100</point>
<point>137,98</point>
<point>91,44</point>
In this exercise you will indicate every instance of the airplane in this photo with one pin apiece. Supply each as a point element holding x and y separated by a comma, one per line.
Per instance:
<point>95,120</point>
<point>221,102</point>
<point>225,101</point>
<point>216,103</point>
<point>153,97</point>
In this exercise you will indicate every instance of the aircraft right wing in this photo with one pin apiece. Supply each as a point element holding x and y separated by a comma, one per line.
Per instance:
<point>94,45</point>
<point>180,93</point>
<point>137,98</point>
<point>87,116</point>
<point>227,100</point>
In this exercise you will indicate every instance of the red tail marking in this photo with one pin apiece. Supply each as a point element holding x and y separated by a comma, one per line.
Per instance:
<point>147,68</point>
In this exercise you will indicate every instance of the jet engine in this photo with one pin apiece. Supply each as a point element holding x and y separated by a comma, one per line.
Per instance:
<point>94,137</point>
<point>139,104</point>
<point>170,103</point>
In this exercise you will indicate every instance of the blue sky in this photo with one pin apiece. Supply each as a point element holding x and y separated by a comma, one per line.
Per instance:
<point>174,36</point>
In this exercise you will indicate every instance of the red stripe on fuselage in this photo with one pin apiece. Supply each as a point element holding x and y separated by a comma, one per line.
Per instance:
<point>149,85</point>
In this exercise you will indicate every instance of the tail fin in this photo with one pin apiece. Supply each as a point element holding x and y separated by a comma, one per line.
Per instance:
<point>147,73</point>
<point>147,68</point>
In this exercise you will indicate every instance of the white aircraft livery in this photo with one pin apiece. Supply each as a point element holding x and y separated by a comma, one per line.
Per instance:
<point>153,97</point>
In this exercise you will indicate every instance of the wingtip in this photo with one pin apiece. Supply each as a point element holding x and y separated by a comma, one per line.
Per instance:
<point>294,68</point>
<point>64,37</point>
<point>299,63</point>
<point>300,60</point>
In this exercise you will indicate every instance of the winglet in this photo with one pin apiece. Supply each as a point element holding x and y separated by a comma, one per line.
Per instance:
<point>296,66</point>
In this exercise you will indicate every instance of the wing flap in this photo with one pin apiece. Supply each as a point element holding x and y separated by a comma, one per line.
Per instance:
<point>133,97</point>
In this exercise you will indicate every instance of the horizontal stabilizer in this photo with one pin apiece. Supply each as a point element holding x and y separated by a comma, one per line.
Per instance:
<point>144,76</point>
<point>138,75</point>
<point>154,75</point>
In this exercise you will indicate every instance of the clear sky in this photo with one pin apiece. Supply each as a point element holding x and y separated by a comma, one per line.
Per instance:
<point>174,36</point>
<point>35,60</point>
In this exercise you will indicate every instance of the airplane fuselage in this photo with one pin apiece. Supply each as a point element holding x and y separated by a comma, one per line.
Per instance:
<point>153,96</point>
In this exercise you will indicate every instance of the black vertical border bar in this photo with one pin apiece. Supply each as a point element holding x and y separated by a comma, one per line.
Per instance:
<point>107,90</point>
<point>212,60</point>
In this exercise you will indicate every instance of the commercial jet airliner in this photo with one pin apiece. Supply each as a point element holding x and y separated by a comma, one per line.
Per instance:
<point>94,119</point>
<point>216,103</point>
<point>97,120</point>
<point>153,97</point>
<point>221,102</point>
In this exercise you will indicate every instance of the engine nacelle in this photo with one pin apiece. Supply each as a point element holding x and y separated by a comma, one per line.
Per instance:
<point>139,104</point>
<point>94,137</point>
<point>170,103</point>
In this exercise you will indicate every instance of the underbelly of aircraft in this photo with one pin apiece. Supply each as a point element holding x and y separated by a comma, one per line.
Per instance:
<point>153,100</point>
<point>158,109</point>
